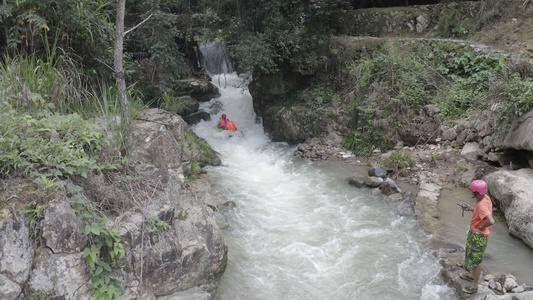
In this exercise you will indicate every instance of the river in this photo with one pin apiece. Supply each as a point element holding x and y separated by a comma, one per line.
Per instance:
<point>299,231</point>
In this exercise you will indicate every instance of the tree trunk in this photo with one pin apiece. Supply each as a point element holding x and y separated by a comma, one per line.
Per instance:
<point>121,80</point>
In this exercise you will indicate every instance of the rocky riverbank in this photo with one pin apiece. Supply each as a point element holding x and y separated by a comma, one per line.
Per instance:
<point>436,166</point>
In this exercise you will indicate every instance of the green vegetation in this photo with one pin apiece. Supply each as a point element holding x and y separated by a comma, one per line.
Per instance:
<point>172,103</point>
<point>399,161</point>
<point>517,100</point>
<point>320,98</point>
<point>159,224</point>
<point>364,138</point>
<point>52,145</point>
<point>395,81</point>
<point>105,249</point>
<point>432,160</point>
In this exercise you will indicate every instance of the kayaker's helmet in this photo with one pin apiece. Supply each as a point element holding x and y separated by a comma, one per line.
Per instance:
<point>479,186</point>
<point>223,116</point>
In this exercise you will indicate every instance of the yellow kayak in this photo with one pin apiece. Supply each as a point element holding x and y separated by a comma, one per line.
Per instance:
<point>230,133</point>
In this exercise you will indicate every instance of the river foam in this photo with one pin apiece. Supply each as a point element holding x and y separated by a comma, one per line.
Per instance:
<point>299,231</point>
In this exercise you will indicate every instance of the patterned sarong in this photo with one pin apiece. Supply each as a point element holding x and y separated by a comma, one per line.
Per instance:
<point>476,243</point>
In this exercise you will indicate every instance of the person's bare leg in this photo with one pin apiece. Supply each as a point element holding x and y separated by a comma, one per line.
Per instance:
<point>476,274</point>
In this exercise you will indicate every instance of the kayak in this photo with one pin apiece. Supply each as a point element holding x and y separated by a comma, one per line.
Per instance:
<point>231,133</point>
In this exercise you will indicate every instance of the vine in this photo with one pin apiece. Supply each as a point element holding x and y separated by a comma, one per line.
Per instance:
<point>105,249</point>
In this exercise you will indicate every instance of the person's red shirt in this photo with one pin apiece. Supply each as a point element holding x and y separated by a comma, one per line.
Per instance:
<point>223,123</point>
<point>482,209</point>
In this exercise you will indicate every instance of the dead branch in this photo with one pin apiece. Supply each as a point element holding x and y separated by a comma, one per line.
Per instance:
<point>135,27</point>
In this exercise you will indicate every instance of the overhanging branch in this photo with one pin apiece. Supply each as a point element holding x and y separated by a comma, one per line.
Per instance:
<point>134,27</point>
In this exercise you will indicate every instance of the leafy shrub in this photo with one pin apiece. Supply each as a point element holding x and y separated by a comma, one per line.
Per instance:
<point>455,102</point>
<point>52,145</point>
<point>399,161</point>
<point>462,64</point>
<point>468,75</point>
<point>403,75</point>
<point>318,97</point>
<point>447,26</point>
<point>105,248</point>
<point>255,53</point>
<point>363,137</point>
<point>518,95</point>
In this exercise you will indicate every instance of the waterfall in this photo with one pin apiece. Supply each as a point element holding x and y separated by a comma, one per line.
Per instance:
<point>215,58</point>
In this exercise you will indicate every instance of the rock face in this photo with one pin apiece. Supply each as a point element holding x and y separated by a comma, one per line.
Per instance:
<point>512,189</point>
<point>16,249</point>
<point>69,239</point>
<point>366,22</point>
<point>519,136</point>
<point>173,246</point>
<point>165,140</point>
<point>273,89</point>
<point>201,89</point>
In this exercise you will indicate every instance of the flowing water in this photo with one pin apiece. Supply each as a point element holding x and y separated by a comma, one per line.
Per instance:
<point>299,231</point>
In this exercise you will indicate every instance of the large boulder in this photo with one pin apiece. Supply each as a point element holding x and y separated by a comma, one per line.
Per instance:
<point>165,140</point>
<point>511,190</point>
<point>519,135</point>
<point>190,254</point>
<point>470,151</point>
<point>201,89</point>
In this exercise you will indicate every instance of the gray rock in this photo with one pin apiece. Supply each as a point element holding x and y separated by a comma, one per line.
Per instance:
<point>512,191</point>
<point>9,290</point>
<point>356,181</point>
<point>396,197</point>
<point>518,289</point>
<point>62,228</point>
<point>377,172</point>
<point>494,157</point>
<point>16,248</point>
<point>63,275</point>
<point>422,23</point>
<point>373,181</point>
<point>512,296</point>
<point>196,117</point>
<point>192,294</point>
<point>390,187</point>
<point>519,136</point>
<point>449,134</point>
<point>201,89</point>
<point>509,284</point>
<point>186,105</point>
<point>164,140</point>
<point>470,150</point>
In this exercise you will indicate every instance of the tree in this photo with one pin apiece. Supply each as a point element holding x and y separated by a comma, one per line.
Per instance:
<point>119,72</point>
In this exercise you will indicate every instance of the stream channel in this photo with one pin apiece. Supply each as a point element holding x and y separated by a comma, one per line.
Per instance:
<point>299,231</point>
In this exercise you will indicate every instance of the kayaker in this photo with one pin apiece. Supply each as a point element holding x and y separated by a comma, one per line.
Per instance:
<point>230,125</point>
<point>222,122</point>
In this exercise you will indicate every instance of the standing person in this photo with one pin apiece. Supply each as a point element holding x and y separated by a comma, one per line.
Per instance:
<point>478,234</point>
<point>222,122</point>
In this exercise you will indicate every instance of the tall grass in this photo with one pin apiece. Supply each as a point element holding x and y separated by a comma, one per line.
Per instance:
<point>44,102</point>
